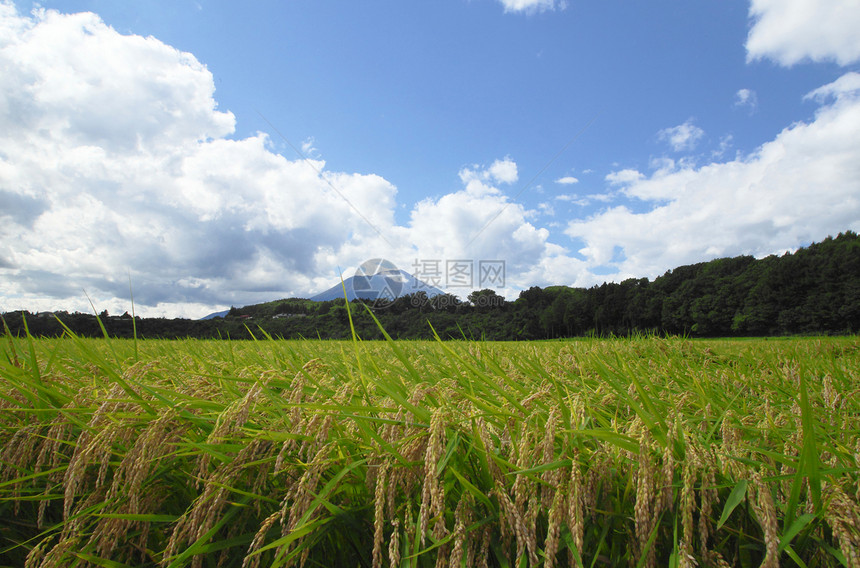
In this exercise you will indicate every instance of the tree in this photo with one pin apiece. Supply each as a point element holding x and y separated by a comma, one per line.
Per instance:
<point>445,303</point>
<point>486,299</point>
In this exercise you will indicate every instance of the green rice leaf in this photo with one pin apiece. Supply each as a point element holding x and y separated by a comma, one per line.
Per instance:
<point>735,497</point>
<point>798,525</point>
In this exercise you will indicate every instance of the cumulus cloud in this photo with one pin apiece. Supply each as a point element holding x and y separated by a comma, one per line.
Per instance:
<point>115,161</point>
<point>845,87</point>
<point>567,180</point>
<point>500,171</point>
<point>504,171</point>
<point>799,187</point>
<point>791,31</point>
<point>531,6</point>
<point>477,222</point>
<point>683,137</point>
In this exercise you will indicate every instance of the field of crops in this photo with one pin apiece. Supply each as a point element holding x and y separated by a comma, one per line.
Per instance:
<point>635,452</point>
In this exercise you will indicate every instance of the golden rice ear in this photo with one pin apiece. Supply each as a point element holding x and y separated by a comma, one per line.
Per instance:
<point>646,500</point>
<point>857,466</point>
<point>304,491</point>
<point>380,460</point>
<point>19,453</point>
<point>462,518</point>
<point>432,492</point>
<point>843,516</point>
<point>522,487</point>
<point>58,555</point>
<point>252,559</point>
<point>379,514</point>
<point>512,517</point>
<point>667,474</point>
<point>394,544</point>
<point>765,510</point>
<point>708,495</point>
<point>37,553</point>
<point>576,503</point>
<point>210,504</point>
<point>548,453</point>
<point>688,507</point>
<point>555,516</point>
<point>108,427</point>
<point>127,491</point>
<point>228,423</point>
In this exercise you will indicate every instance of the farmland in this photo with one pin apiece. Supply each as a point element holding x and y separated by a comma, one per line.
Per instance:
<point>643,451</point>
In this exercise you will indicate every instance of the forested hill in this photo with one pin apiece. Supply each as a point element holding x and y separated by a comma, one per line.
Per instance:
<point>812,291</point>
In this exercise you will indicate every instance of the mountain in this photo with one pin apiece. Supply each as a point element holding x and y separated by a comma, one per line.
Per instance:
<point>382,285</point>
<point>216,315</point>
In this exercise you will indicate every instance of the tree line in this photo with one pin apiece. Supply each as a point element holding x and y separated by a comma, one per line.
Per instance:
<point>815,290</point>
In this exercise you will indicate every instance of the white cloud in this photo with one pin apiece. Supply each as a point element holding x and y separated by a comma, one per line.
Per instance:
<point>500,171</point>
<point>114,160</point>
<point>799,187</point>
<point>683,137</point>
<point>546,208</point>
<point>624,177</point>
<point>603,197</point>
<point>746,98</point>
<point>791,31</point>
<point>725,146</point>
<point>531,6</point>
<point>504,171</point>
<point>582,201</point>
<point>567,180</point>
<point>477,222</point>
<point>309,150</point>
<point>573,199</point>
<point>845,87</point>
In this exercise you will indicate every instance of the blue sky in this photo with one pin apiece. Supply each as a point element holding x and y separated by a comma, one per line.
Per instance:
<point>590,141</point>
<point>413,91</point>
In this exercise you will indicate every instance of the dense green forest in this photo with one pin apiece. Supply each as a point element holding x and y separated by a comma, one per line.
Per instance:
<point>815,290</point>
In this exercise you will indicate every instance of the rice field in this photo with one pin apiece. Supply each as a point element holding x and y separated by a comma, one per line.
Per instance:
<point>637,452</point>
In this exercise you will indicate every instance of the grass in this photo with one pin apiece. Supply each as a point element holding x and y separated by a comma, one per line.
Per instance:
<point>637,452</point>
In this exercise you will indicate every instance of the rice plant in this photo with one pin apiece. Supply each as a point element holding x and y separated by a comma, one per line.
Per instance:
<point>624,452</point>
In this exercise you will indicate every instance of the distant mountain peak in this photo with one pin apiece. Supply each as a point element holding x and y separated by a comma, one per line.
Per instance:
<point>216,315</point>
<point>377,280</point>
